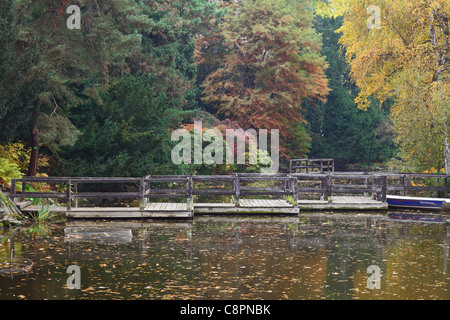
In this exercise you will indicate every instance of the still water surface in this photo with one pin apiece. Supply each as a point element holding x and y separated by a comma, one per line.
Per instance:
<point>316,256</point>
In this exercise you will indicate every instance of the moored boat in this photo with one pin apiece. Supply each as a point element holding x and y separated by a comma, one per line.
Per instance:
<point>418,202</point>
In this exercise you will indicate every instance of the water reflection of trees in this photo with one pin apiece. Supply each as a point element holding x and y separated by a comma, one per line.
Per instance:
<point>266,257</point>
<point>307,257</point>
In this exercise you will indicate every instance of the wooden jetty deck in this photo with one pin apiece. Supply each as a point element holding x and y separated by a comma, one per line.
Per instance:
<point>248,206</point>
<point>177,210</point>
<point>342,203</point>
<point>250,193</point>
<point>152,210</point>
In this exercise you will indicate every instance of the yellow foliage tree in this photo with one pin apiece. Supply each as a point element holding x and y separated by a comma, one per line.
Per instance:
<point>19,154</point>
<point>405,59</point>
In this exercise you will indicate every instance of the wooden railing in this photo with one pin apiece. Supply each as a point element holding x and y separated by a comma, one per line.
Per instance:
<point>288,186</point>
<point>311,165</point>
<point>343,183</point>
<point>409,183</point>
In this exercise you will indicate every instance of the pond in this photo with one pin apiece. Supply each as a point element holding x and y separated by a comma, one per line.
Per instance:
<point>312,256</point>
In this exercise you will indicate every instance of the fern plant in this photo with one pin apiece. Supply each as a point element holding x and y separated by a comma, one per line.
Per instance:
<point>8,171</point>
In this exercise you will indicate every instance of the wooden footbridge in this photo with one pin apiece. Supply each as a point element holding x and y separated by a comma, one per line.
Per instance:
<point>182,196</point>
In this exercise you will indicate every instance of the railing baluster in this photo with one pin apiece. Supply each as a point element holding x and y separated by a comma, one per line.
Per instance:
<point>75,190</point>
<point>407,184</point>
<point>383,188</point>
<point>13,190</point>
<point>24,186</point>
<point>69,196</point>
<point>295,191</point>
<point>189,188</point>
<point>236,190</point>
<point>141,194</point>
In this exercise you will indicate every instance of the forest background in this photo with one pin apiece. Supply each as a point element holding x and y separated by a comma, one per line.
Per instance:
<point>104,99</point>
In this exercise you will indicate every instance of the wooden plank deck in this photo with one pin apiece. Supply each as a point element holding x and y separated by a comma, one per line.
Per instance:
<point>248,206</point>
<point>343,202</point>
<point>152,210</point>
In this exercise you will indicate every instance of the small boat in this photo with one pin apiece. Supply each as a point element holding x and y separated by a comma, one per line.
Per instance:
<point>418,203</point>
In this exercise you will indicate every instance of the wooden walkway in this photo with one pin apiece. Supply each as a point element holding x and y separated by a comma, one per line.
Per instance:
<point>276,194</point>
<point>342,203</point>
<point>248,206</point>
<point>153,210</point>
<point>177,210</point>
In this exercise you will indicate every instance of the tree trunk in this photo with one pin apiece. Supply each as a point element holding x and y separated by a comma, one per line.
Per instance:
<point>446,151</point>
<point>32,166</point>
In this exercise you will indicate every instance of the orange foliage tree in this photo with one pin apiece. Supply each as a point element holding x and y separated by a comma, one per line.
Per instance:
<point>270,62</point>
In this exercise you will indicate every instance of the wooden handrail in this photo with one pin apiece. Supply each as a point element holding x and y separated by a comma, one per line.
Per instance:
<point>374,182</point>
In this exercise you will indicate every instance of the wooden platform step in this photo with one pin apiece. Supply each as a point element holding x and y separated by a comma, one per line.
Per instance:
<point>171,212</point>
<point>166,206</point>
<point>248,206</point>
<point>153,210</point>
<point>343,202</point>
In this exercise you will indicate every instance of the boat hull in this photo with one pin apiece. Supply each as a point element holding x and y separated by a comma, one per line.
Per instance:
<point>417,203</point>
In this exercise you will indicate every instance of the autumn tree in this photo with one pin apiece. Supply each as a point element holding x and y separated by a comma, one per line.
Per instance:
<point>271,64</point>
<point>406,59</point>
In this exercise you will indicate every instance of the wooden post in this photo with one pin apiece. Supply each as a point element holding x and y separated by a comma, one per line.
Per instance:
<point>189,188</point>
<point>402,184</point>
<point>407,184</point>
<point>236,189</point>
<point>375,187</point>
<point>329,188</point>
<point>147,193</point>
<point>378,188</point>
<point>383,188</point>
<point>323,186</point>
<point>447,191</point>
<point>287,190</point>
<point>366,182</point>
<point>306,165</point>
<point>68,195</point>
<point>13,190</point>
<point>294,182</point>
<point>24,186</point>
<point>141,194</point>
<point>75,189</point>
